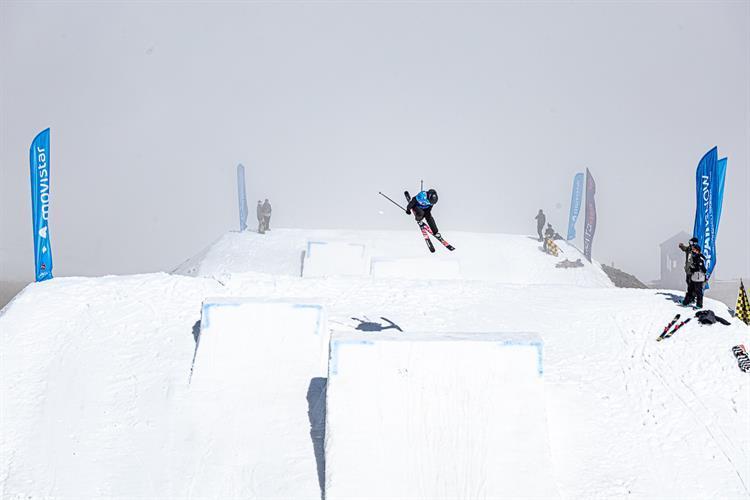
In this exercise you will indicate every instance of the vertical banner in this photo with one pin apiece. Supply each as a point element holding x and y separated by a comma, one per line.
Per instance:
<point>39,160</point>
<point>721,173</point>
<point>590,217</point>
<point>575,205</point>
<point>242,196</point>
<point>709,195</point>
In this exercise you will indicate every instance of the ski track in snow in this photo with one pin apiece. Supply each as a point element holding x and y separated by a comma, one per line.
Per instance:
<point>96,402</point>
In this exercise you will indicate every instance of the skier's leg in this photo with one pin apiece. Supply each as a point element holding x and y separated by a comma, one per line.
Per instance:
<point>699,294</point>
<point>431,222</point>
<point>418,214</point>
<point>690,295</point>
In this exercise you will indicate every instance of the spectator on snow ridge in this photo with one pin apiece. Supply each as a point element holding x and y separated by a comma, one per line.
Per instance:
<point>259,214</point>
<point>540,220</point>
<point>688,252</point>
<point>266,212</point>
<point>549,235</point>
<point>697,278</point>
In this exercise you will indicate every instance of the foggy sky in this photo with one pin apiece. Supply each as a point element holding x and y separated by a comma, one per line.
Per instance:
<point>496,105</point>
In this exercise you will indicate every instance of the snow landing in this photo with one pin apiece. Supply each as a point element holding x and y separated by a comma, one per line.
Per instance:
<point>95,399</point>
<point>255,363</point>
<point>439,416</point>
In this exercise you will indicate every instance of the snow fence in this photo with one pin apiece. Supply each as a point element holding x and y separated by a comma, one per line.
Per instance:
<point>439,416</point>
<point>326,258</point>
<point>256,364</point>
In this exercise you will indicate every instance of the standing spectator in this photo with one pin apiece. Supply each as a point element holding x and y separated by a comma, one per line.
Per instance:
<point>259,214</point>
<point>266,213</point>
<point>688,249</point>
<point>540,220</point>
<point>697,278</point>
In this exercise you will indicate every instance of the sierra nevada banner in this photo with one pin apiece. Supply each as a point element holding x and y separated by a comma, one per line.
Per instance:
<point>590,216</point>
<point>575,205</point>
<point>39,159</point>
<point>709,195</point>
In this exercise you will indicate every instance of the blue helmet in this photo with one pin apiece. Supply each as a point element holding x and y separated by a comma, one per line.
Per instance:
<point>425,199</point>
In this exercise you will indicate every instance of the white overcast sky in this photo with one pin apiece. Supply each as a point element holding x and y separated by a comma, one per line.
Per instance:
<point>495,104</point>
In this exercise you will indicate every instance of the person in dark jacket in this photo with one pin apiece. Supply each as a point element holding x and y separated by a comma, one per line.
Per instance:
<point>696,266</point>
<point>259,214</point>
<point>688,249</point>
<point>540,220</point>
<point>266,213</point>
<point>549,235</point>
<point>422,205</point>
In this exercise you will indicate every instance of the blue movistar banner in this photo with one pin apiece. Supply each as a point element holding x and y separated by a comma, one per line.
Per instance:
<point>709,194</point>
<point>39,161</point>
<point>241,196</point>
<point>575,205</point>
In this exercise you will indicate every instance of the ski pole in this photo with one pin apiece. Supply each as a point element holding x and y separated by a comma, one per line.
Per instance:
<point>387,198</point>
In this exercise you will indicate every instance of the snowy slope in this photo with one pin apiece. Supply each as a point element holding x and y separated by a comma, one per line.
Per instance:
<point>446,416</point>
<point>94,372</point>
<point>489,257</point>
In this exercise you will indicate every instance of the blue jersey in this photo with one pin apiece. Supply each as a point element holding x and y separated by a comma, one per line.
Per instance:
<point>422,201</point>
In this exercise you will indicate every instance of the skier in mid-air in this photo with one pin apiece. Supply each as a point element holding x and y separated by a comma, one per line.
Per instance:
<point>422,205</point>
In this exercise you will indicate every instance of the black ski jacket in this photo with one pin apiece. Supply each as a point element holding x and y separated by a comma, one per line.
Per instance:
<point>541,219</point>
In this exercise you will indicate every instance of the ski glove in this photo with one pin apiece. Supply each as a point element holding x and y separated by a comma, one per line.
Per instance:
<point>408,212</point>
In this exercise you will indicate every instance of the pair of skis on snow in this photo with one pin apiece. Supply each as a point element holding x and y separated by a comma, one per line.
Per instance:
<point>669,331</point>
<point>427,232</point>
<point>739,351</point>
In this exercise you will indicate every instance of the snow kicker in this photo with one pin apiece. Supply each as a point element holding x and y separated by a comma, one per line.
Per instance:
<point>254,364</point>
<point>437,416</point>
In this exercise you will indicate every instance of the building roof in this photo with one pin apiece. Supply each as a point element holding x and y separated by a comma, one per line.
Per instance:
<point>681,237</point>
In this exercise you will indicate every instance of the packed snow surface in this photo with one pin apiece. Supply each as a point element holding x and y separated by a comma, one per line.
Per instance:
<point>256,425</point>
<point>97,400</point>
<point>487,257</point>
<point>442,416</point>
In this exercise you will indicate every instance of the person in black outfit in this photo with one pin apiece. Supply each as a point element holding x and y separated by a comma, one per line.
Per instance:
<point>259,213</point>
<point>266,214</point>
<point>688,249</point>
<point>696,278</point>
<point>549,235</point>
<point>540,220</point>
<point>422,205</point>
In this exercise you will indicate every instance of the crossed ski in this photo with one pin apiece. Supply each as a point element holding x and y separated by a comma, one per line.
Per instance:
<point>427,232</point>
<point>669,331</point>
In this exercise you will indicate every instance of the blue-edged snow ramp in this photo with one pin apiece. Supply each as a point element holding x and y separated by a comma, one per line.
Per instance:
<point>335,258</point>
<point>439,416</point>
<point>254,365</point>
